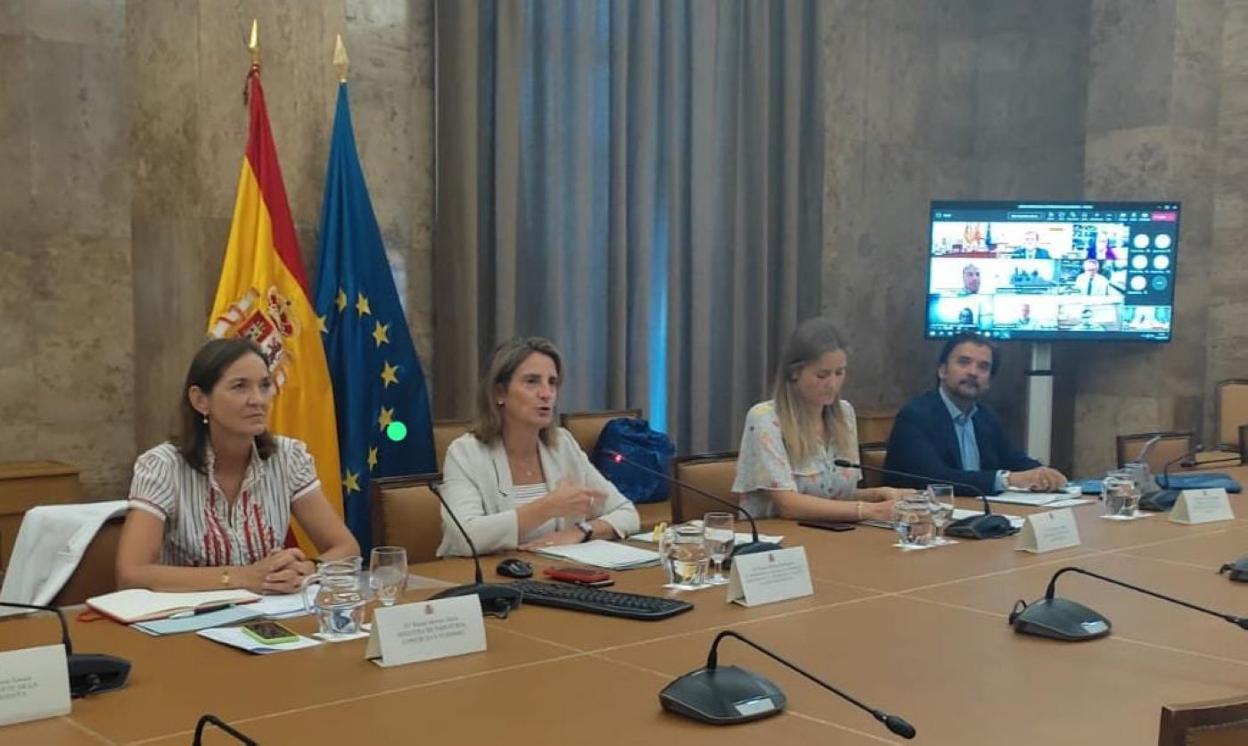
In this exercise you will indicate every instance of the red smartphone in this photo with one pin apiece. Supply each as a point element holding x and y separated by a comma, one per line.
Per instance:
<point>582,575</point>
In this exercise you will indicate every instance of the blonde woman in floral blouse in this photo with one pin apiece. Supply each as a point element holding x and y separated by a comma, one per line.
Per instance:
<point>786,467</point>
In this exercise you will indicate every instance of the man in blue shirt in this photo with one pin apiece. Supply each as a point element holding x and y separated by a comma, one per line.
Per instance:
<point>948,435</point>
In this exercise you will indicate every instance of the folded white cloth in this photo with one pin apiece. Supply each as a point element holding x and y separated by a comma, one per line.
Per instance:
<point>49,546</point>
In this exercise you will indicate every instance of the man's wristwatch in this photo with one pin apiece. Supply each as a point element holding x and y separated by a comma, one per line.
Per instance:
<point>587,529</point>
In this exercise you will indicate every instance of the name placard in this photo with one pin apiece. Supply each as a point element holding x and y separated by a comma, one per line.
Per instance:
<point>426,630</point>
<point>768,577</point>
<point>34,684</point>
<point>1202,506</point>
<point>1046,532</point>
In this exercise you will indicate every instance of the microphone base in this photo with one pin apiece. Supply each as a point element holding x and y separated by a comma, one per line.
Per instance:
<point>986,526</point>
<point>1237,570</point>
<point>495,599</point>
<point>755,547</point>
<point>1160,501</point>
<point>90,673</point>
<point>724,695</point>
<point>751,547</point>
<point>1060,619</point>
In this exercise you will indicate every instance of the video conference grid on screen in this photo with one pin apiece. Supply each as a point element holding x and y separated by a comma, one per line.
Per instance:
<point>1048,270</point>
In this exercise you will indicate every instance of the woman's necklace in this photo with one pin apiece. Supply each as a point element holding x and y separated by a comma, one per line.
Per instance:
<point>527,473</point>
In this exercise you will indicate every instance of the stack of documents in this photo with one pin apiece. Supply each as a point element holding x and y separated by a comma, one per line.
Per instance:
<point>1038,499</point>
<point>742,537</point>
<point>609,555</point>
<point>159,613</point>
<point>283,606</point>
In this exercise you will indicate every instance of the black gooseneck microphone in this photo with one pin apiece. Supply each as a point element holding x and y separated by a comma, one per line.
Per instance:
<point>210,719</point>
<point>728,695</point>
<point>88,672</point>
<point>754,546</point>
<point>1164,499</point>
<point>1063,619</point>
<point>1148,446</point>
<point>1191,463</point>
<point>986,526</point>
<point>497,600</point>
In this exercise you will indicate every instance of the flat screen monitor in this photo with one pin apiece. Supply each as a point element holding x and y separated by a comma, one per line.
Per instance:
<point>1100,271</point>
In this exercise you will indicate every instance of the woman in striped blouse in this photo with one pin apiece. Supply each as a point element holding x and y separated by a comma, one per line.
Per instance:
<point>211,508</point>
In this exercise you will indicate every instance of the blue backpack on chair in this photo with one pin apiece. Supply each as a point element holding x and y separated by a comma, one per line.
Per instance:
<point>633,438</point>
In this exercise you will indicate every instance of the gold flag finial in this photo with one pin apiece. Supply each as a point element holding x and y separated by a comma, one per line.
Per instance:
<point>254,43</point>
<point>340,60</point>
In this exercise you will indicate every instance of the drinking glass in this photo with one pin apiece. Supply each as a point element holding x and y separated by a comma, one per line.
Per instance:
<point>387,573</point>
<point>1121,495</point>
<point>912,519</point>
<point>721,534</point>
<point>940,496</point>
<point>689,555</point>
<point>667,538</point>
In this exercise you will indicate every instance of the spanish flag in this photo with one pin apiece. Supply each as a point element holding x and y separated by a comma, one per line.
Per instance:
<point>263,294</point>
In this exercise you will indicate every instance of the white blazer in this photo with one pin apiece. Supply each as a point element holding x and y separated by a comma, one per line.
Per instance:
<point>50,543</point>
<point>478,487</point>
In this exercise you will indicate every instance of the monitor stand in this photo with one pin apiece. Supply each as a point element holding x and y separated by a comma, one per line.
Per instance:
<point>1040,402</point>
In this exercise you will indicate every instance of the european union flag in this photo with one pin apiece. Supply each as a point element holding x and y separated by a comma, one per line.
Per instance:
<point>384,425</point>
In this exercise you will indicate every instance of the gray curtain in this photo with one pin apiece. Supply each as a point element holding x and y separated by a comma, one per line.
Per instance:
<point>642,182</point>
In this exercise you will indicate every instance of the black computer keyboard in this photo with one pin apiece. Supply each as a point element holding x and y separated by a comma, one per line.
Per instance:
<point>596,601</point>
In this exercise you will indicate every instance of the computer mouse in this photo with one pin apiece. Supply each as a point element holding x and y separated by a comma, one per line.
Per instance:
<point>514,568</point>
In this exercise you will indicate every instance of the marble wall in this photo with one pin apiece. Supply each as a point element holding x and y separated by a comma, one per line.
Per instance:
<point>123,128</point>
<point>1227,352</point>
<point>959,99</point>
<point>66,332</point>
<point>1114,99</point>
<point>1154,93</point>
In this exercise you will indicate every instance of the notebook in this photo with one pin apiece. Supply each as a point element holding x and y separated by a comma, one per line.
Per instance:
<point>140,605</point>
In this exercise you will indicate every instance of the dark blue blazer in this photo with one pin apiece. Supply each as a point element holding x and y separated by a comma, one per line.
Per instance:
<point>924,442</point>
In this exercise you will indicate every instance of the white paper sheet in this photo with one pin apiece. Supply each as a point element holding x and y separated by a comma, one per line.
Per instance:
<point>610,555</point>
<point>647,537</point>
<point>235,637</point>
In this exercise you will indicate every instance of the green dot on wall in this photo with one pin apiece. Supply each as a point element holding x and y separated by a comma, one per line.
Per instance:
<point>396,431</point>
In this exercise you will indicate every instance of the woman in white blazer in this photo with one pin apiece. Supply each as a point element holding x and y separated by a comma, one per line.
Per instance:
<point>516,480</point>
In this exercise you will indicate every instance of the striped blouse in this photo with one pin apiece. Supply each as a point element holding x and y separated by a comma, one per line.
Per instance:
<point>201,529</point>
<point>523,494</point>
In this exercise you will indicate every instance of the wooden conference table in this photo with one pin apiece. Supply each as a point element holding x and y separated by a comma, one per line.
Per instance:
<point>920,634</point>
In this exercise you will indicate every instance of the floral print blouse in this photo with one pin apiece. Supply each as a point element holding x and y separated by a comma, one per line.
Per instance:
<point>763,464</point>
